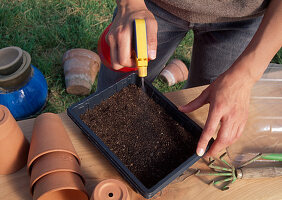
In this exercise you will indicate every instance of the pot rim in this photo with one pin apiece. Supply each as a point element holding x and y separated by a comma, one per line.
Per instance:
<point>33,182</point>
<point>66,147</point>
<point>70,181</point>
<point>15,64</point>
<point>67,163</point>
<point>30,164</point>
<point>7,123</point>
<point>19,77</point>
<point>64,188</point>
<point>80,52</point>
<point>3,114</point>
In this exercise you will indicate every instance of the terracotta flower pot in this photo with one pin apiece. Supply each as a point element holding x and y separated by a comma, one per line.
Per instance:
<point>110,189</point>
<point>49,135</point>
<point>54,162</point>
<point>60,186</point>
<point>11,59</point>
<point>13,145</point>
<point>80,68</point>
<point>175,72</point>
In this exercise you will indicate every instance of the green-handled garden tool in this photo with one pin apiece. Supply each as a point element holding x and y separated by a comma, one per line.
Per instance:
<point>231,174</point>
<point>271,156</point>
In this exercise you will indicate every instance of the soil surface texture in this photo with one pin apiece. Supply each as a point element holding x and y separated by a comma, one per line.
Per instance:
<point>142,135</point>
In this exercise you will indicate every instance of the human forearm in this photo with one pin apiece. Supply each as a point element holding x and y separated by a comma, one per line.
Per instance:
<point>264,45</point>
<point>229,94</point>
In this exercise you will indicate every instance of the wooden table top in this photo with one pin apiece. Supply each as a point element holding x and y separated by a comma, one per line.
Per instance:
<point>96,168</point>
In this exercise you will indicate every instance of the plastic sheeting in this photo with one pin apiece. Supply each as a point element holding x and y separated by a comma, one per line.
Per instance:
<point>263,131</point>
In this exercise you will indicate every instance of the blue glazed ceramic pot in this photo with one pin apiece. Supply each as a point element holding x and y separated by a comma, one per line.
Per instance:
<point>29,99</point>
<point>25,91</point>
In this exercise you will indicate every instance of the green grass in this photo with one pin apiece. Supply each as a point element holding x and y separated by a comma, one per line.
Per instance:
<point>46,29</point>
<point>278,57</point>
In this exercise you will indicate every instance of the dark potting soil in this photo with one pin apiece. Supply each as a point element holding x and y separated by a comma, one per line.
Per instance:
<point>142,135</point>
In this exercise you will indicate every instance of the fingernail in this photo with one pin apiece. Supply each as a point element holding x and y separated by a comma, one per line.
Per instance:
<point>152,54</point>
<point>200,152</point>
<point>180,107</point>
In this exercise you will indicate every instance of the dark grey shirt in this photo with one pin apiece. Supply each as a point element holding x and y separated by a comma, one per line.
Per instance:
<point>212,11</point>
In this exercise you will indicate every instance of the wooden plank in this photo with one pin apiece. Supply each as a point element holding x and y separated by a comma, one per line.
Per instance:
<point>96,168</point>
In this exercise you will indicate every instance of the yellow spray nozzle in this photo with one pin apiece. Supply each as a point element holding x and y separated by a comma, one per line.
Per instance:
<point>142,71</point>
<point>141,46</point>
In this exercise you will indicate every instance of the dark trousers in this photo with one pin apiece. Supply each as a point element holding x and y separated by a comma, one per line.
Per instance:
<point>216,46</point>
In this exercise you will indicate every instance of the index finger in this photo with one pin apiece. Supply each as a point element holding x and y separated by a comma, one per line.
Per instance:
<point>208,131</point>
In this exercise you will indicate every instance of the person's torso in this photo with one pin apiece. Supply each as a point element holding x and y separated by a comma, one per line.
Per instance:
<point>211,11</point>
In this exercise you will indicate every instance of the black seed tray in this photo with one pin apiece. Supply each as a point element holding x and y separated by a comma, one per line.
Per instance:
<point>81,107</point>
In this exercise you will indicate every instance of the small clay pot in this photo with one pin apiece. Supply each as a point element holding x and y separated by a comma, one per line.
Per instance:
<point>13,145</point>
<point>80,68</point>
<point>11,59</point>
<point>175,72</point>
<point>110,189</point>
<point>49,135</point>
<point>54,162</point>
<point>60,186</point>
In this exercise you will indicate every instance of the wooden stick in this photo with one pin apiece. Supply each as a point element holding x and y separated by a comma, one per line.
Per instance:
<point>245,173</point>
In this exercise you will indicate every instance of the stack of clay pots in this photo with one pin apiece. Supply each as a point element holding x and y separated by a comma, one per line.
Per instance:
<point>53,163</point>
<point>110,189</point>
<point>80,68</point>
<point>176,71</point>
<point>13,145</point>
